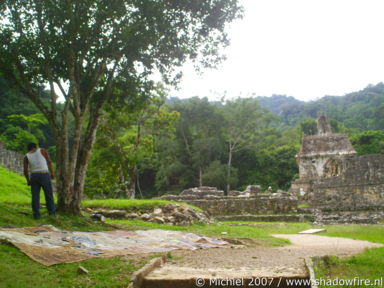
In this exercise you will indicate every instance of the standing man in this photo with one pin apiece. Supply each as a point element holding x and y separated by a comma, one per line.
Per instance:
<point>41,174</point>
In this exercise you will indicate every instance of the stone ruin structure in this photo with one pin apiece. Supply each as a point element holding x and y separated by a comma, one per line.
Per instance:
<point>11,160</point>
<point>341,185</point>
<point>251,201</point>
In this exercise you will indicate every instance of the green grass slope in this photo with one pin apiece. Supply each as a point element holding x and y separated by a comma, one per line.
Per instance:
<point>13,188</point>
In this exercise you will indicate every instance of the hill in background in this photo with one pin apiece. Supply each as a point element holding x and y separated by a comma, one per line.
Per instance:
<point>362,110</point>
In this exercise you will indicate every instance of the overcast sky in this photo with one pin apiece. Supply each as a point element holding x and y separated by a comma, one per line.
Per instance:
<point>301,48</point>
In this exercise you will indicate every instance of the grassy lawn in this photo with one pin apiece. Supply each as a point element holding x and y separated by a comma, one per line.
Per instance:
<point>275,227</point>
<point>17,270</point>
<point>225,230</point>
<point>373,233</point>
<point>13,188</point>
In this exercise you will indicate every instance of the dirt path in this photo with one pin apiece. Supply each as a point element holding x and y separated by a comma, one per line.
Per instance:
<point>287,261</point>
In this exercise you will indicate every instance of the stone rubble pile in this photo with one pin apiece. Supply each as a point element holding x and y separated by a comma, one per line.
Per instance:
<point>281,194</point>
<point>170,214</point>
<point>253,190</point>
<point>250,191</point>
<point>203,192</point>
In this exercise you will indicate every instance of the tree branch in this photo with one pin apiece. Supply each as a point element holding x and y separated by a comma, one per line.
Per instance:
<point>89,87</point>
<point>74,88</point>
<point>28,90</point>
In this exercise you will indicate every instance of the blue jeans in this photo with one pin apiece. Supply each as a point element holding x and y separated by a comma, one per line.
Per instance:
<point>42,180</point>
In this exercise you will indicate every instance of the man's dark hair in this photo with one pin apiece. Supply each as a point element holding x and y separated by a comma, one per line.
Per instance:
<point>31,146</point>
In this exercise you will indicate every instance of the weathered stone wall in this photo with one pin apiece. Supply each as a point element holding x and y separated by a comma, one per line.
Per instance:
<point>321,166</point>
<point>239,206</point>
<point>326,144</point>
<point>323,155</point>
<point>11,160</point>
<point>357,217</point>
<point>359,187</point>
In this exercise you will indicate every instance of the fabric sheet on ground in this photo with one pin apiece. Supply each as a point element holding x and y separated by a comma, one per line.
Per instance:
<point>48,245</point>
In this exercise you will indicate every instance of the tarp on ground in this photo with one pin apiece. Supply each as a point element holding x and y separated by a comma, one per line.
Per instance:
<point>48,245</point>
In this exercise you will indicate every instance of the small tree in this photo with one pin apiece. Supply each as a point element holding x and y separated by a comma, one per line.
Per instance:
<point>86,49</point>
<point>245,119</point>
<point>199,128</point>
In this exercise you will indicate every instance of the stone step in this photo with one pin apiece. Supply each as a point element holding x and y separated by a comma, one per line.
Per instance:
<point>187,277</point>
<point>231,283</point>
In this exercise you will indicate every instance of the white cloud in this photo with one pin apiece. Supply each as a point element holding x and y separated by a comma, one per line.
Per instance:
<point>302,48</point>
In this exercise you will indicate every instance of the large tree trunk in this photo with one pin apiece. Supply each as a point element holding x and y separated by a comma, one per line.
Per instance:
<point>200,177</point>
<point>72,178</point>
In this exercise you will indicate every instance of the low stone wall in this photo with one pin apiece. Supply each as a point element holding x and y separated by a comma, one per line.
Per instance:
<point>11,160</point>
<point>239,206</point>
<point>250,201</point>
<point>342,217</point>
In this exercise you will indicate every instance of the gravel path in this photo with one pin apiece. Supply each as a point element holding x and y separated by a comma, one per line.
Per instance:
<point>287,261</point>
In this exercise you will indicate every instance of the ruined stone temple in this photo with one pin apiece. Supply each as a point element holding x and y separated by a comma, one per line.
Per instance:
<point>336,179</point>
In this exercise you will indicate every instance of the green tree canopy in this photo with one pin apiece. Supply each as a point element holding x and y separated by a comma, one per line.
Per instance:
<point>245,123</point>
<point>368,142</point>
<point>125,139</point>
<point>87,51</point>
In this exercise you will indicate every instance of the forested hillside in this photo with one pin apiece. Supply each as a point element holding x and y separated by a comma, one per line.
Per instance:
<point>362,110</point>
<point>164,146</point>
